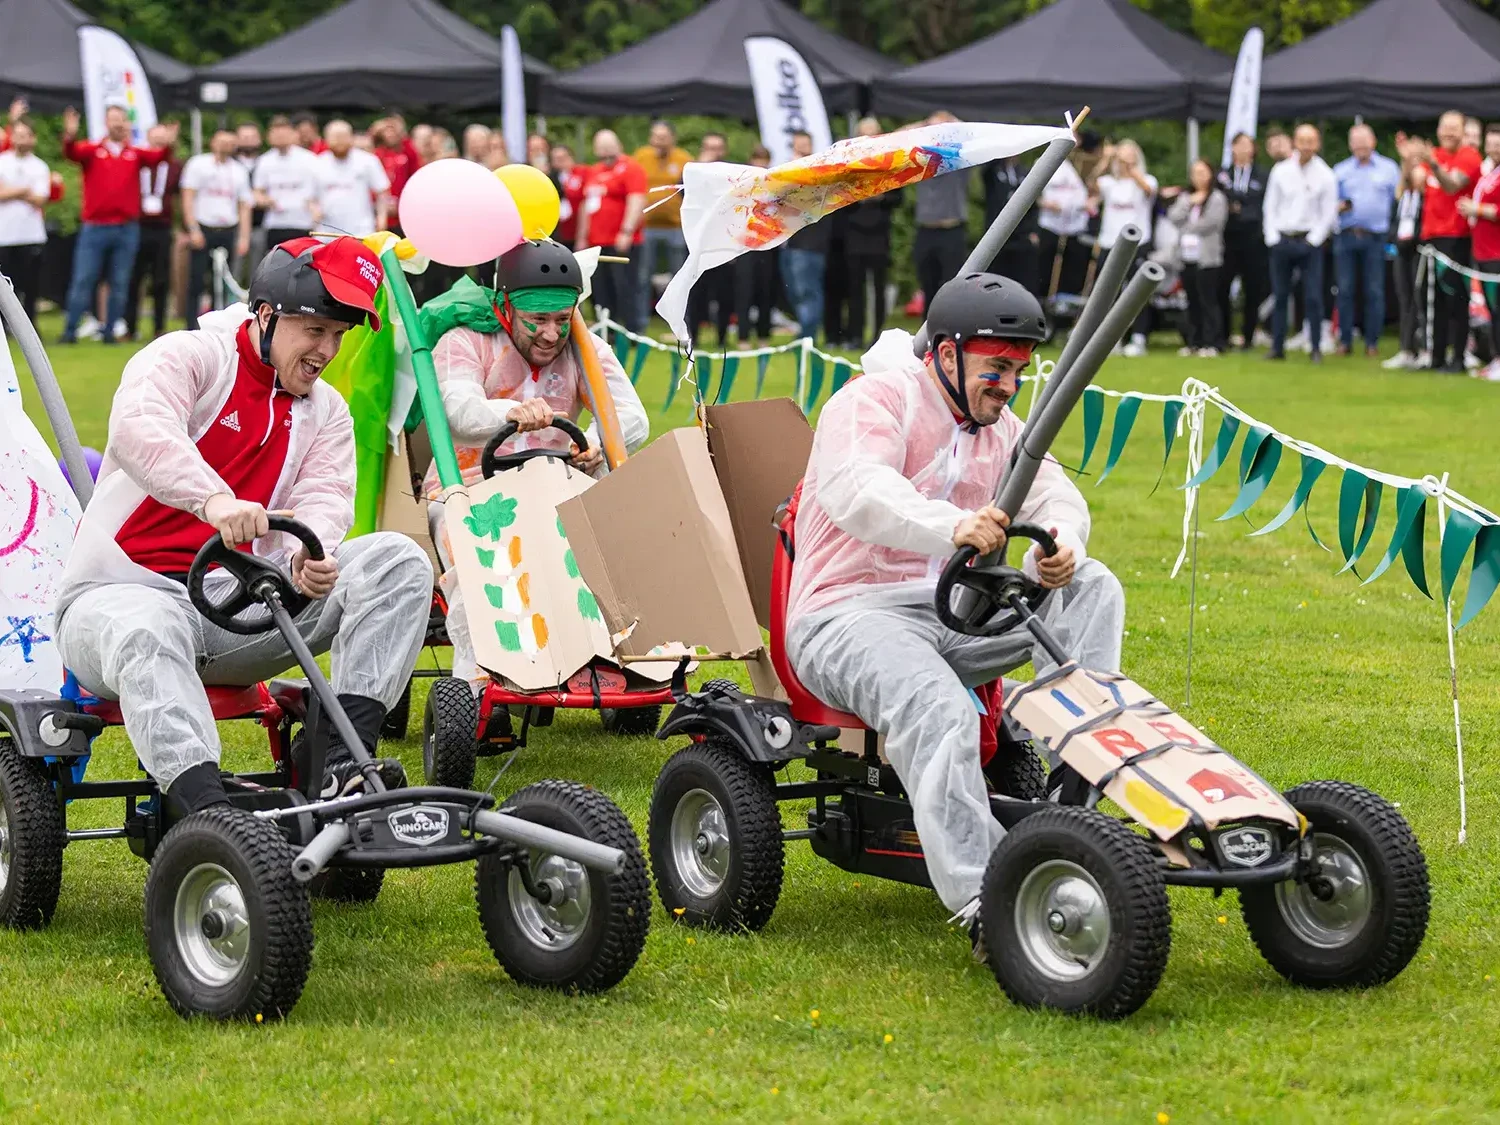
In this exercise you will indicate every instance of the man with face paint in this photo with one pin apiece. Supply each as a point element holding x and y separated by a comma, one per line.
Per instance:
<point>509,355</point>
<point>904,465</point>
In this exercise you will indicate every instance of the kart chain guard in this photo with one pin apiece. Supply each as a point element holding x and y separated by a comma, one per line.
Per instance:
<point>763,729</point>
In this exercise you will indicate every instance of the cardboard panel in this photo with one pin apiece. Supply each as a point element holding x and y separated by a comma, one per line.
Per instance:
<point>1194,777</point>
<point>400,508</point>
<point>760,452</point>
<point>654,540</point>
<point>533,619</point>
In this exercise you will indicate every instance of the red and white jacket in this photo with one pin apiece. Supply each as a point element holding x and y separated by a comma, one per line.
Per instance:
<point>172,394</point>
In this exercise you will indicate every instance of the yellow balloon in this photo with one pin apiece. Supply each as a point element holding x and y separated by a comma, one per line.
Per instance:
<point>536,198</point>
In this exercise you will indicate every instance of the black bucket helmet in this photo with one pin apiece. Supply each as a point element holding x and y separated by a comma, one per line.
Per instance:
<point>538,263</point>
<point>310,277</point>
<point>981,306</point>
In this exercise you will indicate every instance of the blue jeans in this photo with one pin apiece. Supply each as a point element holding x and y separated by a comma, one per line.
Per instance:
<point>802,273</point>
<point>98,243</point>
<point>1287,257</point>
<point>657,242</point>
<point>1359,258</point>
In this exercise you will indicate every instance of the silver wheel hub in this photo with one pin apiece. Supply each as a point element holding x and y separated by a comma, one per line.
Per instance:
<point>1329,909</point>
<point>559,922</point>
<point>700,843</point>
<point>1062,920</point>
<point>5,848</point>
<point>211,925</point>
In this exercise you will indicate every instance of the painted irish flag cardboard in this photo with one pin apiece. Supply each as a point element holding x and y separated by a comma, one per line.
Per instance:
<point>533,619</point>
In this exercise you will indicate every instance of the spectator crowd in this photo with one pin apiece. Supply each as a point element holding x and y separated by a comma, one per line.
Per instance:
<point>1277,252</point>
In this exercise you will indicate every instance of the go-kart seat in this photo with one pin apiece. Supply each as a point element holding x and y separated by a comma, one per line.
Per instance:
<point>227,702</point>
<point>806,707</point>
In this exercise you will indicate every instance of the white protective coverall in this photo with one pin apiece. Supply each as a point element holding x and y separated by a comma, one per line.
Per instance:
<point>131,634</point>
<point>891,475</point>
<point>483,376</point>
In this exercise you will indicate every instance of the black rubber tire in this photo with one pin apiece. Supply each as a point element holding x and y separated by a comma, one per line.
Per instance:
<point>620,905</point>
<point>746,793</point>
<point>1123,866</point>
<point>720,683</point>
<point>398,718</point>
<point>1016,770</point>
<point>1400,901</point>
<point>632,721</point>
<point>36,835</point>
<point>353,886</point>
<point>259,858</point>
<point>449,746</point>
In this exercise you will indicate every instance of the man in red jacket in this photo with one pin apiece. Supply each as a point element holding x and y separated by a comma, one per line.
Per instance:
<point>111,230</point>
<point>398,155</point>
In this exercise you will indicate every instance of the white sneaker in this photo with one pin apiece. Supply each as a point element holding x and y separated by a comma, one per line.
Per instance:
<point>1237,341</point>
<point>1490,372</point>
<point>1401,361</point>
<point>1208,353</point>
<point>1136,348</point>
<point>1186,351</point>
<point>1297,343</point>
<point>1471,361</point>
<point>1423,360</point>
<point>1261,339</point>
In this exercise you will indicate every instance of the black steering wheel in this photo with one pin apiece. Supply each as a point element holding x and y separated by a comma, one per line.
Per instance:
<point>993,587</point>
<point>256,581</point>
<point>489,464</point>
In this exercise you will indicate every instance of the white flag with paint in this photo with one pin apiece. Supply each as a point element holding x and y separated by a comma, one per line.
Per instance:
<point>512,95</point>
<point>113,76</point>
<point>728,209</point>
<point>787,98</point>
<point>38,517</point>
<point>1244,92</point>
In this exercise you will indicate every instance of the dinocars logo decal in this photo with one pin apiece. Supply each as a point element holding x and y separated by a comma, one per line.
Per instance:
<point>420,826</point>
<point>1246,847</point>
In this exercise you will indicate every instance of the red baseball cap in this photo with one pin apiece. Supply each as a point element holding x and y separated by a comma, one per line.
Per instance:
<point>348,269</point>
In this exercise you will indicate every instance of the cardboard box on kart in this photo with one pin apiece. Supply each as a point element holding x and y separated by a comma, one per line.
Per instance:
<point>667,539</point>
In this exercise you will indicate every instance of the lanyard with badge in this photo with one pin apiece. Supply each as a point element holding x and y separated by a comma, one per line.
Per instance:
<point>153,188</point>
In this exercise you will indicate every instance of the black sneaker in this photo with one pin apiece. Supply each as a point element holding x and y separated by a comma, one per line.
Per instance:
<point>344,778</point>
<point>976,942</point>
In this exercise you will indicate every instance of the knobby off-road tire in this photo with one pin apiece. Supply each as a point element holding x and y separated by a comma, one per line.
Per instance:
<point>1374,923</point>
<point>590,940</point>
<point>1075,915</point>
<point>1017,771</point>
<point>715,838</point>
<point>449,747</point>
<point>31,842</point>
<point>634,721</point>
<point>228,929</point>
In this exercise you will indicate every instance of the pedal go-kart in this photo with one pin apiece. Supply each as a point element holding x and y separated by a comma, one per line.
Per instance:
<point>457,729</point>
<point>1332,884</point>
<point>560,880</point>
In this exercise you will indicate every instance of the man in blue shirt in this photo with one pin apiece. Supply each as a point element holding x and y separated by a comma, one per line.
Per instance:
<point>1368,185</point>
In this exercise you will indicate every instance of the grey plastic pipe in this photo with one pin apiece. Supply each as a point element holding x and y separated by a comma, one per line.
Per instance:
<point>1107,284</point>
<point>1005,224</point>
<point>20,326</point>
<point>599,857</point>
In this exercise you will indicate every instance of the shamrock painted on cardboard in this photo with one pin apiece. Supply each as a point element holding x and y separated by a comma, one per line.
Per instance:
<point>488,520</point>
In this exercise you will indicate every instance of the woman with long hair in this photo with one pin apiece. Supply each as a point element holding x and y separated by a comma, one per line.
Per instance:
<point>1127,194</point>
<point>1199,214</point>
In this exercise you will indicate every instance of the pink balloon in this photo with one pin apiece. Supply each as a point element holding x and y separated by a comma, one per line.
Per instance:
<point>457,213</point>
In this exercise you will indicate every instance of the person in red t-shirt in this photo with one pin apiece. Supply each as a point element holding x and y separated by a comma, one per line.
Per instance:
<point>1452,171</point>
<point>1483,210</point>
<point>309,136</point>
<point>571,179</point>
<point>614,200</point>
<point>214,430</point>
<point>397,152</point>
<point>110,232</point>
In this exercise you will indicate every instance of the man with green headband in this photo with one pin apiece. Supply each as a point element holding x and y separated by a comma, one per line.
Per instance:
<point>508,355</point>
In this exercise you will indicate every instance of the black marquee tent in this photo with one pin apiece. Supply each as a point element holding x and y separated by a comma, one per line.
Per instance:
<point>39,57</point>
<point>1105,53</point>
<point>698,66</point>
<point>1396,58</point>
<point>370,54</point>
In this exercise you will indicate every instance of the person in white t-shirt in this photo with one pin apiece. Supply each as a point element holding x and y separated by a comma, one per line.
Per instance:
<point>1127,194</point>
<point>286,180</point>
<point>216,211</point>
<point>1063,215</point>
<point>353,187</point>
<point>25,187</point>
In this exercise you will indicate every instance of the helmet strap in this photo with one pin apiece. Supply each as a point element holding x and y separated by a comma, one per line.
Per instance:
<point>960,399</point>
<point>265,338</point>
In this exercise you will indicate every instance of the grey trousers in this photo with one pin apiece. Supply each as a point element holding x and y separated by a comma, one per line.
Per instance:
<point>907,676</point>
<point>150,648</point>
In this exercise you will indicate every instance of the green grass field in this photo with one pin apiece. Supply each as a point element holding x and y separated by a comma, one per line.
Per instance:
<point>857,1003</point>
